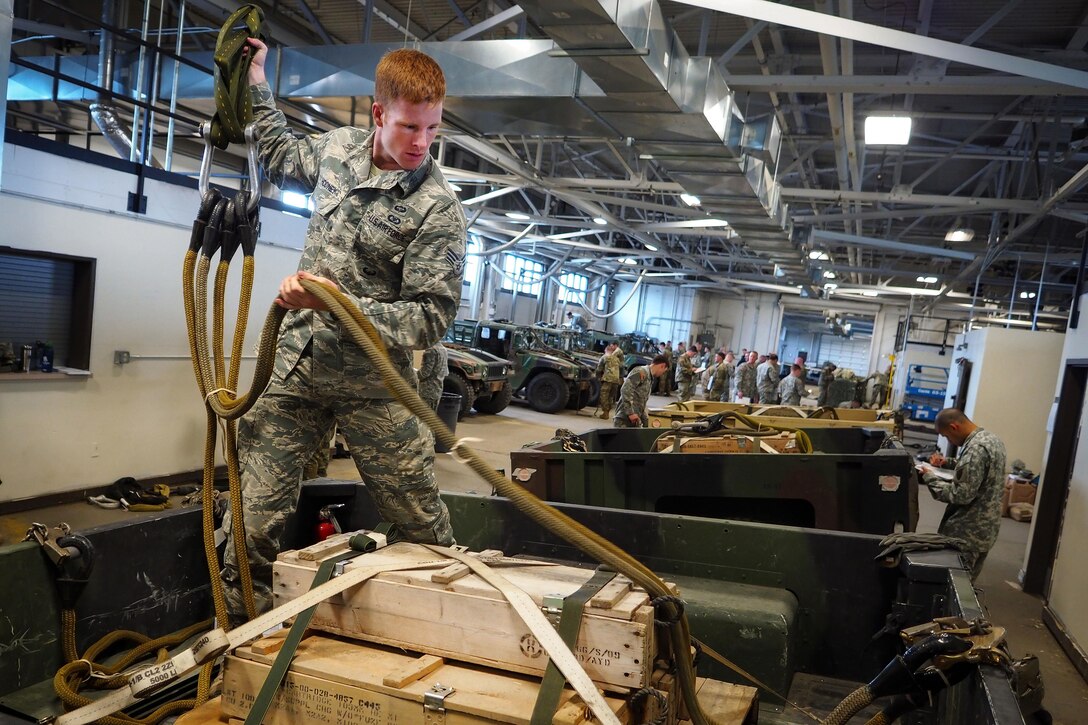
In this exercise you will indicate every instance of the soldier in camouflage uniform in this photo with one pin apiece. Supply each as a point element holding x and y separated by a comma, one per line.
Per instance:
<point>721,380</point>
<point>767,380</point>
<point>433,370</point>
<point>635,393</point>
<point>389,233</point>
<point>792,387</point>
<point>974,495</point>
<point>746,378</point>
<point>685,374</point>
<point>609,370</point>
<point>827,376</point>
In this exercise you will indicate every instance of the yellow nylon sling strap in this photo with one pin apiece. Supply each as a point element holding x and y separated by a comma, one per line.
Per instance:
<point>233,106</point>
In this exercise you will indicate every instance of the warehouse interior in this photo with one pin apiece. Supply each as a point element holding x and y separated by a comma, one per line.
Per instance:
<point>641,171</point>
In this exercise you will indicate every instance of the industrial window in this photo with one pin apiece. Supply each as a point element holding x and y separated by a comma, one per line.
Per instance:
<point>602,298</point>
<point>48,298</point>
<point>472,262</point>
<point>297,200</point>
<point>525,273</point>
<point>572,287</point>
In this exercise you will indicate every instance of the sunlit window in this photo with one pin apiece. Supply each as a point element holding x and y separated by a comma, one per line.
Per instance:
<point>602,298</point>
<point>525,273</point>
<point>297,200</point>
<point>472,262</point>
<point>572,287</point>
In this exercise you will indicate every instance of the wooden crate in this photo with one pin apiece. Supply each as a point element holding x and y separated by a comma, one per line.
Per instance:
<point>339,682</point>
<point>452,613</point>
<point>780,443</point>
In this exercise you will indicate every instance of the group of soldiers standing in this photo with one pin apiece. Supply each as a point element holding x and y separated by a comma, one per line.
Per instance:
<point>756,379</point>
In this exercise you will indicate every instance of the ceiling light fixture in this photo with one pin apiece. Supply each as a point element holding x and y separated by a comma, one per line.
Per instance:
<point>869,293</point>
<point>959,235</point>
<point>651,247</point>
<point>831,286</point>
<point>818,255</point>
<point>1027,295</point>
<point>926,280</point>
<point>629,260</point>
<point>518,216</point>
<point>829,274</point>
<point>690,199</point>
<point>887,130</point>
<point>600,220</point>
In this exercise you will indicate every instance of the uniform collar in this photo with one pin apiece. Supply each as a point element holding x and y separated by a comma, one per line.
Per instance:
<point>361,157</point>
<point>968,439</point>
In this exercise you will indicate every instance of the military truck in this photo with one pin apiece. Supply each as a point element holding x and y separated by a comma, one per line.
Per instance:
<point>638,349</point>
<point>481,379</point>
<point>547,382</point>
<point>571,344</point>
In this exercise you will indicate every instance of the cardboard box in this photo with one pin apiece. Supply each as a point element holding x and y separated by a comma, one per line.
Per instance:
<point>1017,490</point>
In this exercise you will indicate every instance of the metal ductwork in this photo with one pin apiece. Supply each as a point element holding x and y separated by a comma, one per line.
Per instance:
<point>679,112</point>
<point>103,112</point>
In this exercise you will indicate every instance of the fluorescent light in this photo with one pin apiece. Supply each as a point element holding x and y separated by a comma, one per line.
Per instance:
<point>629,260</point>
<point>1027,295</point>
<point>887,130</point>
<point>690,200</point>
<point>829,274</point>
<point>651,247</point>
<point>455,187</point>
<point>926,280</point>
<point>869,293</point>
<point>517,215</point>
<point>818,255</point>
<point>959,235</point>
<point>600,220</point>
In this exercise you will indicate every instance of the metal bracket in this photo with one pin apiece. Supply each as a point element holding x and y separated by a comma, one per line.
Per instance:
<point>121,357</point>
<point>40,533</point>
<point>552,606</point>
<point>434,703</point>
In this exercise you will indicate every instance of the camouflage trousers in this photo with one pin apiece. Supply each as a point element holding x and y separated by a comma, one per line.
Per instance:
<point>687,389</point>
<point>768,396</point>
<point>609,391</point>
<point>318,466</point>
<point>393,451</point>
<point>973,561</point>
<point>622,421</point>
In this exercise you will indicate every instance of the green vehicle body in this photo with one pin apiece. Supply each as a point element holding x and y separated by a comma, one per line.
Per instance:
<point>549,382</point>
<point>480,378</point>
<point>571,344</point>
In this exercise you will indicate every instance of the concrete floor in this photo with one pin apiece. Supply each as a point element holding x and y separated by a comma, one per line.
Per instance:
<point>493,437</point>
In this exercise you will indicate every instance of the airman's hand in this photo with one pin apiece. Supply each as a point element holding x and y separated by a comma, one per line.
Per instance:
<point>256,66</point>
<point>293,297</point>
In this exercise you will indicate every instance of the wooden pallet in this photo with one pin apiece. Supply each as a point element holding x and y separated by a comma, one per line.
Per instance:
<point>452,613</point>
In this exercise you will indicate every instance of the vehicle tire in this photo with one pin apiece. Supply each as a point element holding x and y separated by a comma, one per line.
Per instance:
<point>457,383</point>
<point>497,402</point>
<point>594,393</point>
<point>547,392</point>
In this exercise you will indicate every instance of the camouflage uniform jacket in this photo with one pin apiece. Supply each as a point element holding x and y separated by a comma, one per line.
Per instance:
<point>610,368</point>
<point>722,381</point>
<point>394,244</point>
<point>746,380</point>
<point>791,390</point>
<point>635,393</point>
<point>974,495</point>
<point>432,372</point>
<point>685,371</point>
<point>766,379</point>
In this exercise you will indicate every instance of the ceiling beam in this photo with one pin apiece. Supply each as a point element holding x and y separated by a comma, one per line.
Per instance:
<point>1002,85</point>
<point>485,25</point>
<point>876,35</point>
<point>976,202</point>
<point>923,249</point>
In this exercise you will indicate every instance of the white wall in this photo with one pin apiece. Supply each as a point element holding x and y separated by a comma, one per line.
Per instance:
<point>141,419</point>
<point>755,319</point>
<point>916,354</point>
<point>1013,376</point>
<point>661,311</point>
<point>1068,585</point>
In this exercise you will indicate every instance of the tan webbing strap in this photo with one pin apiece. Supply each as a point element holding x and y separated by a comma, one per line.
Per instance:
<point>538,624</point>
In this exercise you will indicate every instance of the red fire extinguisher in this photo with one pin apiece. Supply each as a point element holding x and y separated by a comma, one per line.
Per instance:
<point>327,525</point>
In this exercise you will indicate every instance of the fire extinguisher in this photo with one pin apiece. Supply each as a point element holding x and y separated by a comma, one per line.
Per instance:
<point>327,525</point>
